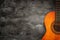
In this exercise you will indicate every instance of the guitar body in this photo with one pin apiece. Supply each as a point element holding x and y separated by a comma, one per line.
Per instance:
<point>48,22</point>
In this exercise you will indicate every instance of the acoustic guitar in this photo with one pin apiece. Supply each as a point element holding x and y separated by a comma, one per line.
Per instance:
<point>52,24</point>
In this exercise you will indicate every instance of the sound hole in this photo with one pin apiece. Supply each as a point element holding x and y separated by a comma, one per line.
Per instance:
<point>57,27</point>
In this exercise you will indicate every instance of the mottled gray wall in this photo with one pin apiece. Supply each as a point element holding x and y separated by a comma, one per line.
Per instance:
<point>23,19</point>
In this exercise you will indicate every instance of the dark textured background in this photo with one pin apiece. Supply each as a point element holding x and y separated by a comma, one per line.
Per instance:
<point>23,19</point>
